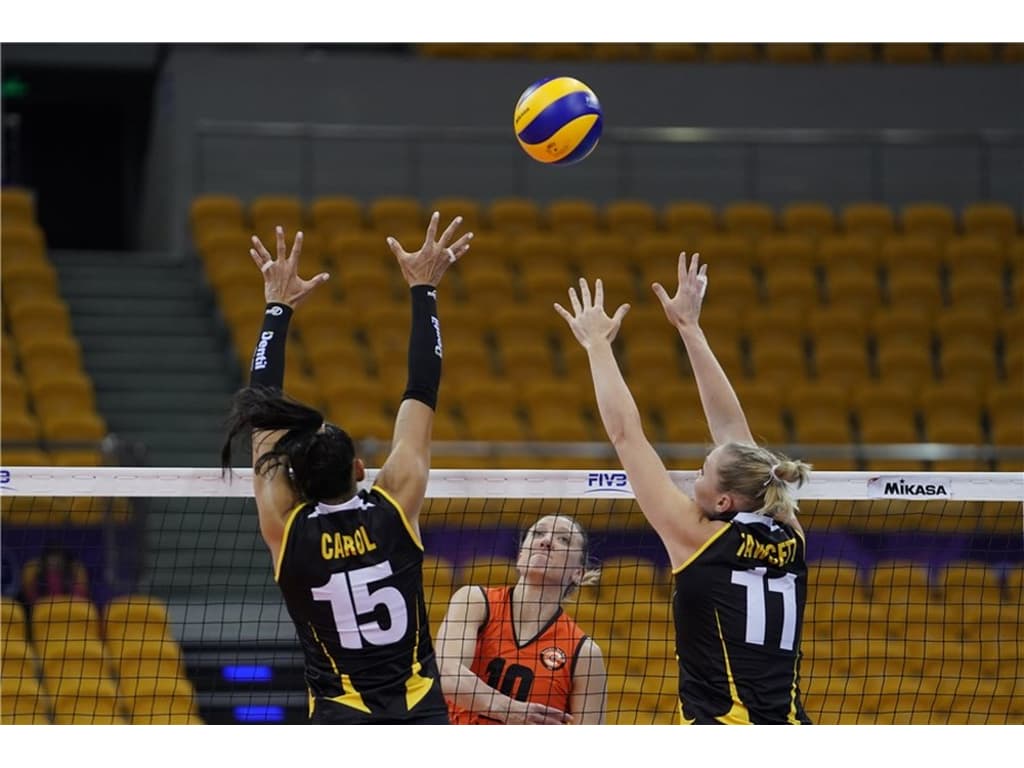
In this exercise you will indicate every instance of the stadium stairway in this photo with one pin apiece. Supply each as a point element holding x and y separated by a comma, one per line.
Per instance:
<point>163,371</point>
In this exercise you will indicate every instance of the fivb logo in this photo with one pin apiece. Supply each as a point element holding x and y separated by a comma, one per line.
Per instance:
<point>909,487</point>
<point>615,482</point>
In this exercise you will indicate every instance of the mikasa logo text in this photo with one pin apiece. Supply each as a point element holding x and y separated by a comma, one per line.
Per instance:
<point>909,487</point>
<point>915,490</point>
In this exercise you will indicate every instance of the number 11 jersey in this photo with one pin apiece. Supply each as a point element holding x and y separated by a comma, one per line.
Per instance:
<point>738,606</point>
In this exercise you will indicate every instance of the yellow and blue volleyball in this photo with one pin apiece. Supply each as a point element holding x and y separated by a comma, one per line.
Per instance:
<point>558,121</point>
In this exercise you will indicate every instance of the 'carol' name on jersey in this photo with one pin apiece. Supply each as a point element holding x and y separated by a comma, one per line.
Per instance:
<point>333,546</point>
<point>773,553</point>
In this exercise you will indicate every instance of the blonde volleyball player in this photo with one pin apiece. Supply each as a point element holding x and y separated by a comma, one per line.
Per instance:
<point>736,548</point>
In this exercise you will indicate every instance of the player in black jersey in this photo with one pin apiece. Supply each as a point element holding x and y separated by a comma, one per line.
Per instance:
<point>349,561</point>
<point>736,548</point>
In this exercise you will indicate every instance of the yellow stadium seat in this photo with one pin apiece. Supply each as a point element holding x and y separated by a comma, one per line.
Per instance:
<point>977,290</point>
<point>940,398</point>
<point>213,212</point>
<point>910,254</point>
<point>732,52</point>
<point>842,251</point>
<point>22,242</point>
<point>841,365</point>
<point>854,288</point>
<point>487,572</point>
<point>975,324</point>
<point>332,215</point>
<point>58,619</point>
<point>41,316</point>
<point>907,324</point>
<point>792,286</point>
<point>831,326</point>
<point>514,215</point>
<point>630,217</point>
<point>63,393</point>
<point>973,254</point>
<point>749,219</point>
<point>163,701</point>
<point>990,219</point>
<point>933,220</point>
<point>965,361</point>
<point>907,53</point>
<point>572,216</point>
<point>812,219</point>
<point>619,51</point>
<point>270,211</point>
<point>74,659</point>
<point>20,277</point>
<point>675,52</point>
<point>147,659</point>
<point>136,617</point>
<point>13,623</point>
<point>786,252</point>
<point>24,702</point>
<point>848,53</point>
<point>17,206</point>
<point>688,220</point>
<point>871,220</point>
<point>557,51</point>
<point>18,426</point>
<point>15,393</point>
<point>922,290</point>
<point>396,213</point>
<point>73,427</point>
<point>967,53</point>
<point>905,363</point>
<point>790,53</point>
<point>451,206</point>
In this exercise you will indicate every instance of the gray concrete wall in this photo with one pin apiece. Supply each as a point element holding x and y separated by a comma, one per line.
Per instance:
<point>289,87</point>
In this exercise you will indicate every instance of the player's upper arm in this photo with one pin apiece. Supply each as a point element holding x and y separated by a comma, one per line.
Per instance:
<point>273,491</point>
<point>406,469</point>
<point>456,639</point>
<point>589,686</point>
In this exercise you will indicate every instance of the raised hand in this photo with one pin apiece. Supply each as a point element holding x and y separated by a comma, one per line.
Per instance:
<point>588,321</point>
<point>684,308</point>
<point>428,265</point>
<point>281,281</point>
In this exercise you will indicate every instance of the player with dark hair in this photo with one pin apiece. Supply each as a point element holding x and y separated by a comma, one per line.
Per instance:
<point>511,654</point>
<point>349,561</point>
<point>736,548</point>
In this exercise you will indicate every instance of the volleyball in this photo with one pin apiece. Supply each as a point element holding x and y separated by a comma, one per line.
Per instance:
<point>558,121</point>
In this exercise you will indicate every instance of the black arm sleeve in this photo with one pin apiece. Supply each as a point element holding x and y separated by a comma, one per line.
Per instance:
<point>424,347</point>
<point>268,359</point>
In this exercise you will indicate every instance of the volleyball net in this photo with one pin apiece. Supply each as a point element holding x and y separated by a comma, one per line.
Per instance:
<point>145,595</point>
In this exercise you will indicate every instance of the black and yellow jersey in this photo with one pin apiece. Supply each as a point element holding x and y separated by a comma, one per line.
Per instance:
<point>352,579</point>
<point>739,606</point>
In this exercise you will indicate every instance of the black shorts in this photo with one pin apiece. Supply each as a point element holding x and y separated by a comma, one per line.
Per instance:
<point>327,712</point>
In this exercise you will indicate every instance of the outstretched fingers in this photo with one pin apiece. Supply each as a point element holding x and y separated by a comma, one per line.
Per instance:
<point>585,293</point>
<point>449,231</point>
<point>296,249</point>
<point>428,239</point>
<point>576,307</point>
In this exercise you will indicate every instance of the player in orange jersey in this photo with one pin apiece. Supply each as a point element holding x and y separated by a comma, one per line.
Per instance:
<point>510,654</point>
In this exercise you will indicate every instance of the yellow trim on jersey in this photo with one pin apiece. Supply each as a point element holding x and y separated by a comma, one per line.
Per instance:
<point>682,717</point>
<point>284,537</point>
<point>792,718</point>
<point>401,513</point>
<point>416,686</point>
<point>738,713</point>
<point>352,699</point>
<point>703,546</point>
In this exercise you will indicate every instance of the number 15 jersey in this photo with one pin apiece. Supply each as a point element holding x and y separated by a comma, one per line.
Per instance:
<point>352,579</point>
<point>739,605</point>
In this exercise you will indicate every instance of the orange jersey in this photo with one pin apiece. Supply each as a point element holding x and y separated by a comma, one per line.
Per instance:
<point>539,669</point>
